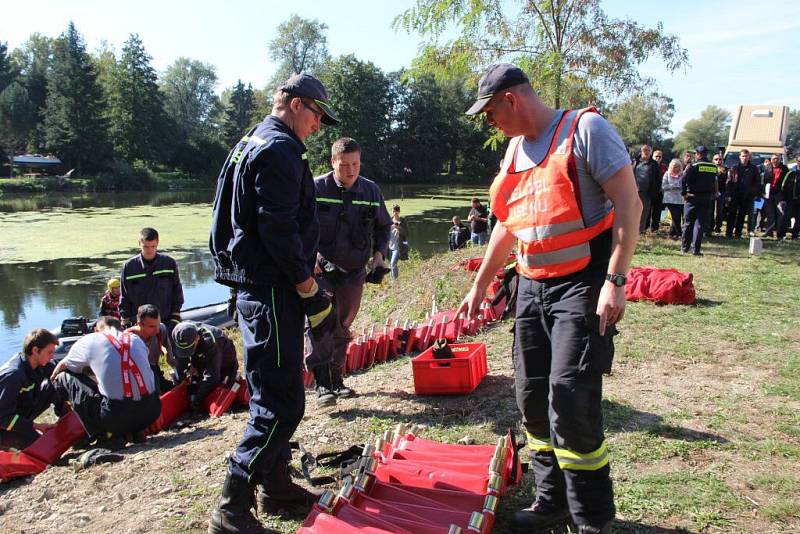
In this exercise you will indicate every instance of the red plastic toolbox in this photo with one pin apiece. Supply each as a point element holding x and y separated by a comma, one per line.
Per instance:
<point>452,376</point>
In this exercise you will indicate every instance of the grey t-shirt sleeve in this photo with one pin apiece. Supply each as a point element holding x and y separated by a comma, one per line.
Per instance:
<point>77,359</point>
<point>598,148</point>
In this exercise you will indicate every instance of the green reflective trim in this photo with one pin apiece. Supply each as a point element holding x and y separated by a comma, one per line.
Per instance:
<point>591,461</point>
<point>135,276</point>
<point>366,203</point>
<point>164,271</point>
<point>255,456</point>
<point>330,200</point>
<point>12,423</point>
<point>706,167</point>
<point>538,445</point>
<point>304,156</point>
<point>23,390</point>
<point>277,333</point>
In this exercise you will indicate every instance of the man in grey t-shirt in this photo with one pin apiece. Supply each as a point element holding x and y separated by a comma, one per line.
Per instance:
<point>554,198</point>
<point>121,401</point>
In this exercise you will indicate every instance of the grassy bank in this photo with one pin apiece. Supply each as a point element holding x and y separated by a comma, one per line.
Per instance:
<point>701,411</point>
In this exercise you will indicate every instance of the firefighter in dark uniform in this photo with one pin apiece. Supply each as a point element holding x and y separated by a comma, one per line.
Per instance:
<point>264,238</point>
<point>151,277</point>
<point>698,187</point>
<point>573,251</point>
<point>207,354</point>
<point>354,228</point>
<point>26,391</point>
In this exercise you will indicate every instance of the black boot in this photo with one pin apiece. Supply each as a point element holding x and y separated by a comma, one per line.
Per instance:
<point>337,383</point>
<point>233,515</point>
<point>540,515</point>
<point>325,394</point>
<point>280,496</point>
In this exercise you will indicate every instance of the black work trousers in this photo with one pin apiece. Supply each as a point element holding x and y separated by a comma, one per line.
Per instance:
<point>347,289</point>
<point>99,414</point>
<point>271,321</point>
<point>738,208</point>
<point>695,218</point>
<point>559,361</point>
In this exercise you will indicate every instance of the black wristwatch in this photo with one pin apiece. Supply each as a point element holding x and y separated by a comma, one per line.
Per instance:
<point>618,280</point>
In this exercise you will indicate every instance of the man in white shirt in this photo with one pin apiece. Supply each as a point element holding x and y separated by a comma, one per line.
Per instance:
<point>122,399</point>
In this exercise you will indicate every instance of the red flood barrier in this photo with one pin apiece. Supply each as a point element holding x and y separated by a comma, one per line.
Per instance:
<point>49,447</point>
<point>18,464</point>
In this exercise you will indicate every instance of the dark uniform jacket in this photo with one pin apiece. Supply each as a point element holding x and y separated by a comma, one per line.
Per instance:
<point>157,283</point>
<point>20,392</point>
<point>214,357</point>
<point>353,223</point>
<point>699,180</point>
<point>790,188</point>
<point>266,234</point>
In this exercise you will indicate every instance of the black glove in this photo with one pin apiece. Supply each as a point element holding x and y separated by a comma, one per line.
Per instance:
<point>375,276</point>
<point>321,315</point>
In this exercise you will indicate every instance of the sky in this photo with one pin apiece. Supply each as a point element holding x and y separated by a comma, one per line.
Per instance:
<point>739,50</point>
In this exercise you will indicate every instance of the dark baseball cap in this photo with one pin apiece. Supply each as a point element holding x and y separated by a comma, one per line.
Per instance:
<point>499,76</point>
<point>701,149</point>
<point>308,86</point>
<point>185,334</point>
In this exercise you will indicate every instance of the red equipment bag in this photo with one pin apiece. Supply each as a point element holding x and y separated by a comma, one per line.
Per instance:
<point>49,447</point>
<point>663,286</point>
<point>18,464</point>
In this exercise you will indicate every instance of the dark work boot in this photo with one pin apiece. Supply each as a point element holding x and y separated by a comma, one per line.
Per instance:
<point>233,515</point>
<point>539,516</point>
<point>337,383</point>
<point>325,395</point>
<point>280,496</point>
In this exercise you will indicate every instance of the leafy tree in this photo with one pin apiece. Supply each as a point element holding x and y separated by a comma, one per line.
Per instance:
<point>643,119</point>
<point>33,60</point>
<point>301,46</point>
<point>17,119</point>
<point>75,127</point>
<point>710,129</point>
<point>136,111</point>
<point>566,45</point>
<point>360,94</point>
<point>7,71</point>
<point>189,98</point>
<point>793,142</point>
<point>239,113</point>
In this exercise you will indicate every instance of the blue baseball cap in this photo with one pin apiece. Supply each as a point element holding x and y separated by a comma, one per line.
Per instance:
<point>499,76</point>
<point>308,86</point>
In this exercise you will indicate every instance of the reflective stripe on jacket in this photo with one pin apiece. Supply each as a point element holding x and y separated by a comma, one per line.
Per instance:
<point>541,207</point>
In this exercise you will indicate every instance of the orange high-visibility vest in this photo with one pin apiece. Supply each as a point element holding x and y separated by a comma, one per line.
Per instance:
<point>541,207</point>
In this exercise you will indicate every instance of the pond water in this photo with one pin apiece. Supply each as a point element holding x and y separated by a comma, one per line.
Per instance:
<point>58,251</point>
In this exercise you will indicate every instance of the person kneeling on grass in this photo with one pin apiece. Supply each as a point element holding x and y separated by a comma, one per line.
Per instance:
<point>122,401</point>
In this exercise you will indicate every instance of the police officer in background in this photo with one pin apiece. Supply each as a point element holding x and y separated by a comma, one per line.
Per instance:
<point>150,277</point>
<point>699,188</point>
<point>264,237</point>
<point>354,229</point>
